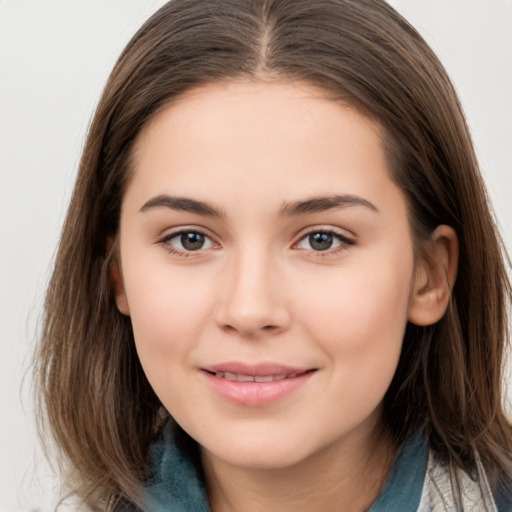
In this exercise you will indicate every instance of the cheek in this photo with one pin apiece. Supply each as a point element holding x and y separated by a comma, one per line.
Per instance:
<point>361,329</point>
<point>168,311</point>
<point>361,320</point>
<point>167,321</point>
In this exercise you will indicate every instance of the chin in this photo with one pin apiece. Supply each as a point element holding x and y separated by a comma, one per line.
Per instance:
<point>262,453</point>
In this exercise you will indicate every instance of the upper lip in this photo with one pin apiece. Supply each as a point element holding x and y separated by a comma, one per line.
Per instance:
<point>256,370</point>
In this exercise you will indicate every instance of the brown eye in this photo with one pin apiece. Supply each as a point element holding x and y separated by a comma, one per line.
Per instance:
<point>320,241</point>
<point>183,242</point>
<point>323,241</point>
<point>192,241</point>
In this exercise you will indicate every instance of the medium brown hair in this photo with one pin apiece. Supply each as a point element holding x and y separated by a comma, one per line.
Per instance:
<point>93,393</point>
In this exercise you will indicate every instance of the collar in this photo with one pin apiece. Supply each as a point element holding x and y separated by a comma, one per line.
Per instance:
<point>176,484</point>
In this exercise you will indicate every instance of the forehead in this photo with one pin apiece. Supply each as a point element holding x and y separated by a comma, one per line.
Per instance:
<point>250,112</point>
<point>235,94</point>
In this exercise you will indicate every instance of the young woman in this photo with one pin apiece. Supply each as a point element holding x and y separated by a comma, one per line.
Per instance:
<point>279,285</point>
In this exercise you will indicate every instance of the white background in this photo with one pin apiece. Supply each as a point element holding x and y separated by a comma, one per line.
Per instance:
<point>55,56</point>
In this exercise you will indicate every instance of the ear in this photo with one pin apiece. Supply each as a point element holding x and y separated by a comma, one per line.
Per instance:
<point>434,278</point>
<point>116,278</point>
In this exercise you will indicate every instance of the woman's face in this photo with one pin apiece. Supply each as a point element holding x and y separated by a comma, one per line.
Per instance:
<point>267,266</point>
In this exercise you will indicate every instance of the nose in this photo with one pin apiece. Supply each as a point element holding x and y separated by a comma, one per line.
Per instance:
<point>253,298</point>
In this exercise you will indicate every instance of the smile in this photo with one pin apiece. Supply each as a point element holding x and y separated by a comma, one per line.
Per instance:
<point>254,378</point>
<point>255,386</point>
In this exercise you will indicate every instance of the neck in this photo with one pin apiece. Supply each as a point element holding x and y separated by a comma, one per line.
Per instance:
<point>347,475</point>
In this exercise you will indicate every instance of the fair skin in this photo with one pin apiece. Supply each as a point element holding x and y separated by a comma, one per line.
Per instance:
<point>267,265</point>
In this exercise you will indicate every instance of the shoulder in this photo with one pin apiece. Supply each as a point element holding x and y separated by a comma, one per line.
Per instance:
<point>440,495</point>
<point>419,481</point>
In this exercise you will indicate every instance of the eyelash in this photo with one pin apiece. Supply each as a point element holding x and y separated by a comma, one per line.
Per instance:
<point>165,242</point>
<point>343,240</point>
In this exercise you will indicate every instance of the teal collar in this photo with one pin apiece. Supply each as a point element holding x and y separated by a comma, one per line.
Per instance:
<point>403,488</point>
<point>176,485</point>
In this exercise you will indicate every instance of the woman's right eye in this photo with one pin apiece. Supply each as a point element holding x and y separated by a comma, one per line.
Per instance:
<point>186,242</point>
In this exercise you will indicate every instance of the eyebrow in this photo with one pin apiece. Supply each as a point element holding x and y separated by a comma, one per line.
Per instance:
<point>183,204</point>
<point>324,203</point>
<point>293,208</point>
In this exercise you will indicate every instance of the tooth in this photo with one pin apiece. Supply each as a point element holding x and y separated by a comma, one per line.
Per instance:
<point>266,378</point>
<point>251,378</point>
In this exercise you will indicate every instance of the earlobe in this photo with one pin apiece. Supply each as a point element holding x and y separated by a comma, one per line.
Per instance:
<point>116,280</point>
<point>434,278</point>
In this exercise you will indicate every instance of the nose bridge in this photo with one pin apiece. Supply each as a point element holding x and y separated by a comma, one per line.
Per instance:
<point>253,300</point>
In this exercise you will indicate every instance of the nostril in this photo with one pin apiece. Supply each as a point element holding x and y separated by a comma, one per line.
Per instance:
<point>247,331</point>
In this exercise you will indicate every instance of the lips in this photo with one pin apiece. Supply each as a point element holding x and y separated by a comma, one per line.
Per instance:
<point>255,385</point>
<point>255,370</point>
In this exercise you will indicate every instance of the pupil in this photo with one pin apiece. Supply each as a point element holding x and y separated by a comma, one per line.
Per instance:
<point>192,241</point>
<point>320,241</point>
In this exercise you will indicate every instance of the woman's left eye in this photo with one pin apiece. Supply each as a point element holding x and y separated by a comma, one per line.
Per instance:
<point>187,241</point>
<point>323,241</point>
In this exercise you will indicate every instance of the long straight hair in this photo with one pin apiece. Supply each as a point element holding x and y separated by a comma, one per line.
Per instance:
<point>93,393</point>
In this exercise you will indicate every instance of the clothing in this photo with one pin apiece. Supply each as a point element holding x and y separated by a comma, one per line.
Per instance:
<point>416,483</point>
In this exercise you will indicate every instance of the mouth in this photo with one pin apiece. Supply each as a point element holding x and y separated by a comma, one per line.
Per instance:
<point>256,386</point>
<point>239,377</point>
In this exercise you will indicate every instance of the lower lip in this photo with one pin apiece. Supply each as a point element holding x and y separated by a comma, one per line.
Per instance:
<point>255,394</point>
